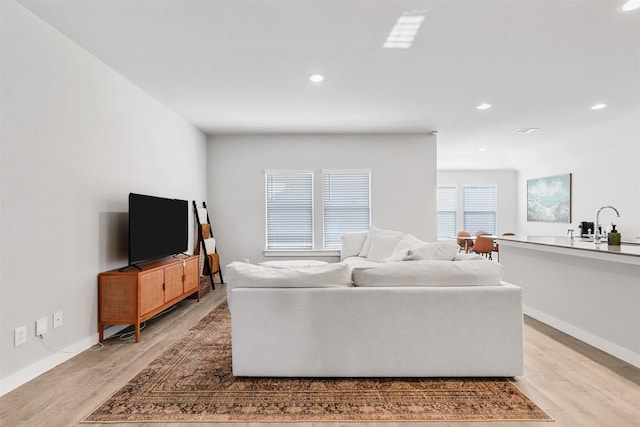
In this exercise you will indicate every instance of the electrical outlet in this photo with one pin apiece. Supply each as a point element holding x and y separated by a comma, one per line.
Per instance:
<point>41,326</point>
<point>57,319</point>
<point>20,336</point>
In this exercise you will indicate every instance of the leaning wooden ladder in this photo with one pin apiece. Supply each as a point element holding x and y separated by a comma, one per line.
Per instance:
<point>206,239</point>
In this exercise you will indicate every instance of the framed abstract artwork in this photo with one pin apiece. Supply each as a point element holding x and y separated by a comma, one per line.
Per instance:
<point>549,199</point>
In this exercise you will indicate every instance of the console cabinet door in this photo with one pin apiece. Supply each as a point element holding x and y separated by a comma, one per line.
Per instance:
<point>191,276</point>
<point>173,282</point>
<point>151,294</point>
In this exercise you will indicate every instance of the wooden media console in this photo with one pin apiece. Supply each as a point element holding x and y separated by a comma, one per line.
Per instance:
<point>133,296</point>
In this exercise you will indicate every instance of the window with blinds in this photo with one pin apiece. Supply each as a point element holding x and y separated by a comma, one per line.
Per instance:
<point>480,206</point>
<point>346,201</point>
<point>289,205</point>
<point>447,205</point>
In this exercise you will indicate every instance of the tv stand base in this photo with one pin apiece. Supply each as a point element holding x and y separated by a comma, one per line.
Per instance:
<point>133,296</point>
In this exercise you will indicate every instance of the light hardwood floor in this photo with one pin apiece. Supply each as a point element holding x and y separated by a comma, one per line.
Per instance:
<point>574,383</point>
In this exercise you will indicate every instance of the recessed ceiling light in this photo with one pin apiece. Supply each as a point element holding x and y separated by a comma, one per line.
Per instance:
<point>316,78</point>
<point>526,130</point>
<point>630,5</point>
<point>482,149</point>
<point>484,106</point>
<point>403,33</point>
<point>599,106</point>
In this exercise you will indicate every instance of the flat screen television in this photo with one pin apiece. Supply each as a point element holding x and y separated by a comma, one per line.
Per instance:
<point>158,227</point>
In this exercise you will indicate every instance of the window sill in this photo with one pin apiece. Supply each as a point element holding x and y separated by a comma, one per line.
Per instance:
<point>329,253</point>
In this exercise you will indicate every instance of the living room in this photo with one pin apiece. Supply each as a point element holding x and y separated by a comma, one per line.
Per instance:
<point>78,136</point>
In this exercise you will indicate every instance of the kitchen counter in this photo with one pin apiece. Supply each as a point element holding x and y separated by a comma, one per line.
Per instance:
<point>589,291</point>
<point>628,252</point>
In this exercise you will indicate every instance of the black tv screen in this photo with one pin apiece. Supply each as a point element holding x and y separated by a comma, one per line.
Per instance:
<point>158,227</point>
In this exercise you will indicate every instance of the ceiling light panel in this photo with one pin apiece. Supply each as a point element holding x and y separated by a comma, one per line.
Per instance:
<point>405,30</point>
<point>598,106</point>
<point>630,5</point>
<point>316,78</point>
<point>526,130</point>
<point>484,106</point>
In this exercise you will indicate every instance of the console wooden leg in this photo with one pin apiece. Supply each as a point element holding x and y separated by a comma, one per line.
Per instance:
<point>138,332</point>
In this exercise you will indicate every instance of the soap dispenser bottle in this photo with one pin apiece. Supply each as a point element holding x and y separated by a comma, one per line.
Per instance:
<point>614,238</point>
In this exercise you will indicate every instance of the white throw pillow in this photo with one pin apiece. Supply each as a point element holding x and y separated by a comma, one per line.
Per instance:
<point>442,251</point>
<point>397,256</point>
<point>210,245</point>
<point>430,273</point>
<point>366,247</point>
<point>352,244</point>
<point>409,242</point>
<point>401,250</point>
<point>382,246</point>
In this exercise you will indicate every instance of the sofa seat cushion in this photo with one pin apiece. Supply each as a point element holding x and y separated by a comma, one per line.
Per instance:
<point>358,261</point>
<point>430,273</point>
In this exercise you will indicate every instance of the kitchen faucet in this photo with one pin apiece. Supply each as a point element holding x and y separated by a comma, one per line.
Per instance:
<point>596,235</point>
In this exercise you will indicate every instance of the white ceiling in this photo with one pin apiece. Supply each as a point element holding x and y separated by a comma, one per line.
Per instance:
<point>242,66</point>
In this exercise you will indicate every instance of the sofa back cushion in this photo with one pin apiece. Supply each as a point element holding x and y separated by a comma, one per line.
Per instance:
<point>382,246</point>
<point>392,234</point>
<point>243,275</point>
<point>430,273</point>
<point>441,251</point>
<point>352,244</point>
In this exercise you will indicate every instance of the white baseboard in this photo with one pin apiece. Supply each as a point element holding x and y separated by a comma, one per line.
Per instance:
<point>25,375</point>
<point>591,339</point>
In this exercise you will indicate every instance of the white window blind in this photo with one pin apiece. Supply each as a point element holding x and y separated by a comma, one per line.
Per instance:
<point>289,204</point>
<point>346,204</point>
<point>447,211</point>
<point>480,205</point>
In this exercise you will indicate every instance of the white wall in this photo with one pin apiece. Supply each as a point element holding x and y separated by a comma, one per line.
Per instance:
<point>605,163</point>
<point>506,182</point>
<point>403,181</point>
<point>76,139</point>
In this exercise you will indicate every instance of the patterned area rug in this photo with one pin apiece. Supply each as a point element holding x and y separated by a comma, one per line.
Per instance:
<point>192,381</point>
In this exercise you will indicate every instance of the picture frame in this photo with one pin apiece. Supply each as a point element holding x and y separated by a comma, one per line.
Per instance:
<point>549,199</point>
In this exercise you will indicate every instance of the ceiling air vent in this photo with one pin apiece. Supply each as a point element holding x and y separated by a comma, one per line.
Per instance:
<point>526,130</point>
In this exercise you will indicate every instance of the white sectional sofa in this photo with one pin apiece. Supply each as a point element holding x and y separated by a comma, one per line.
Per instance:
<point>423,317</point>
